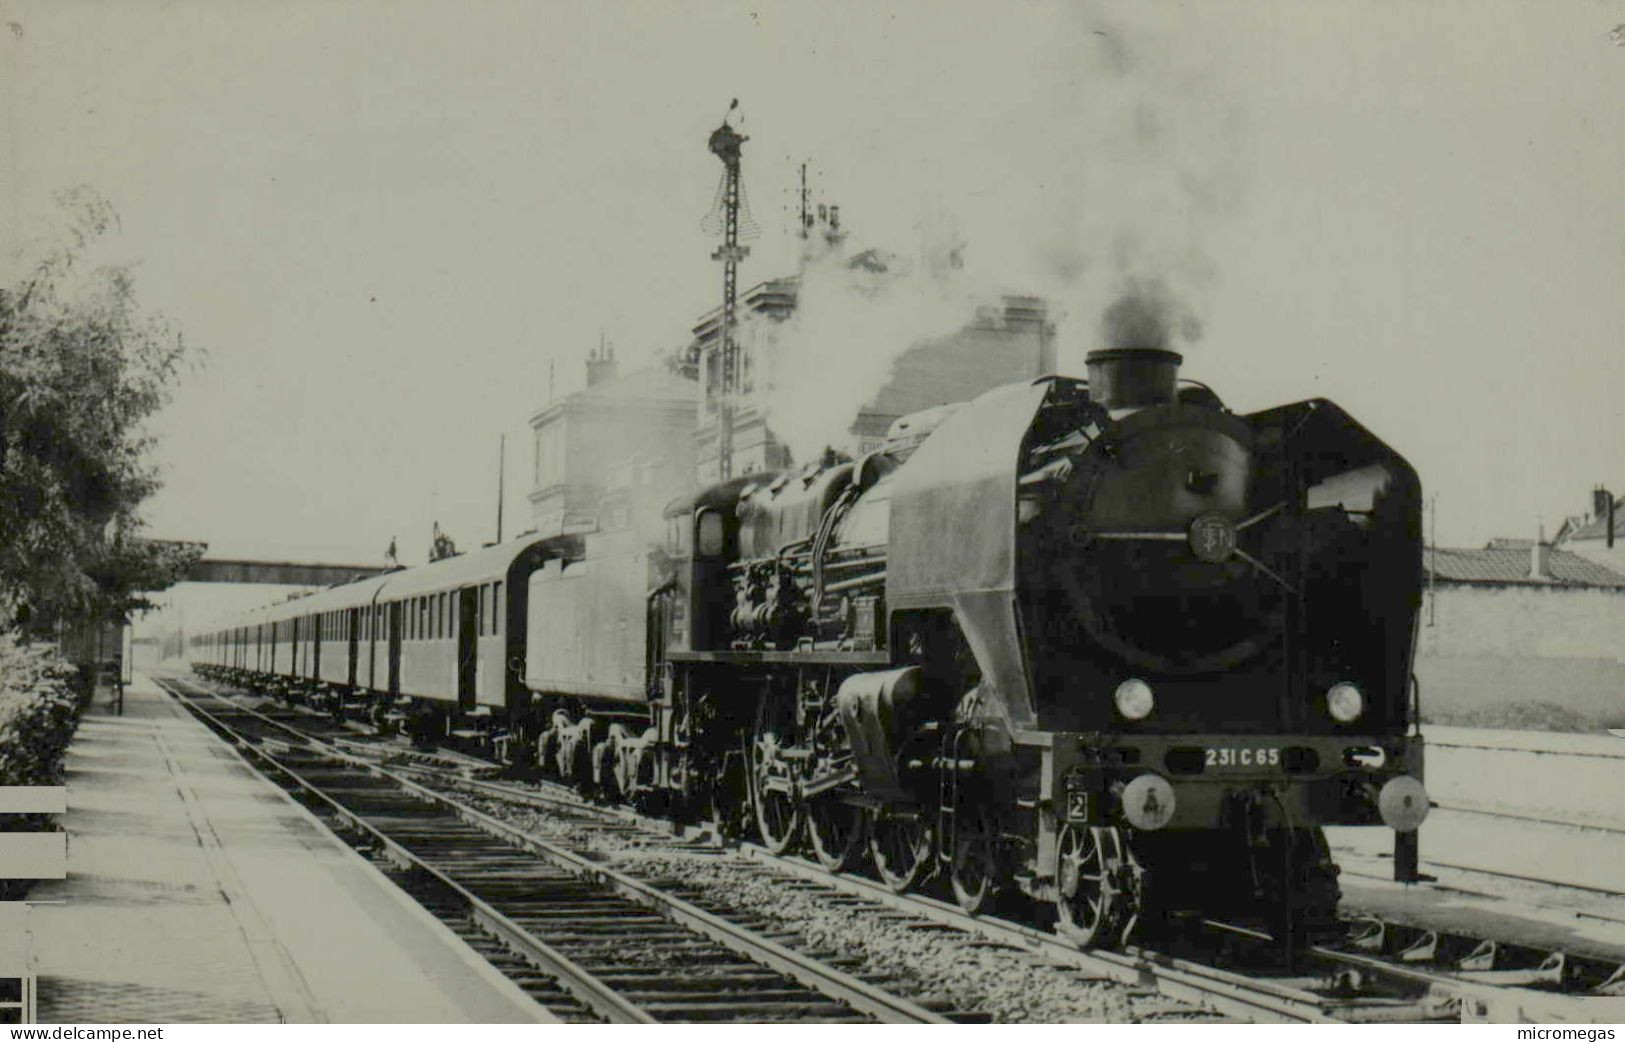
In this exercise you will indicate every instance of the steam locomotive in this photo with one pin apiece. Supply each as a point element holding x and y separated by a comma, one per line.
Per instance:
<point>1106,644</point>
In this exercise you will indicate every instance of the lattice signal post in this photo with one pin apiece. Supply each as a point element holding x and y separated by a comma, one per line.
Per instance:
<point>725,144</point>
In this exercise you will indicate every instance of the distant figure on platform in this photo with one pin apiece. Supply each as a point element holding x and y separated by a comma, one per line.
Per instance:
<point>390,555</point>
<point>442,547</point>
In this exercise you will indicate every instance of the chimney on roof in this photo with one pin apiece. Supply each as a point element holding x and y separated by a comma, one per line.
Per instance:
<point>1600,499</point>
<point>1540,556</point>
<point>600,364</point>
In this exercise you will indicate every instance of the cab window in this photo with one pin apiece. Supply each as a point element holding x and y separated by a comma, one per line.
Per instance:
<point>709,535</point>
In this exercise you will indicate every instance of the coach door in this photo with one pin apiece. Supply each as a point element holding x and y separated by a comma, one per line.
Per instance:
<point>468,645</point>
<point>395,648</point>
<point>352,619</point>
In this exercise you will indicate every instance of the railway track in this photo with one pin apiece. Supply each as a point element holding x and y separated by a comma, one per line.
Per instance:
<point>1389,973</point>
<point>586,941</point>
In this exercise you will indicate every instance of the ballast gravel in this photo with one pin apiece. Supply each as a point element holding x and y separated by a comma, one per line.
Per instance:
<point>1010,986</point>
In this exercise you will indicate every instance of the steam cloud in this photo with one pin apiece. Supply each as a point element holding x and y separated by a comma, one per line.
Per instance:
<point>852,323</point>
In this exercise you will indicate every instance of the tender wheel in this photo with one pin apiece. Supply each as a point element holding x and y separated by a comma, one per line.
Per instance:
<point>1087,904</point>
<point>974,870</point>
<point>837,833</point>
<point>900,845</point>
<point>778,813</point>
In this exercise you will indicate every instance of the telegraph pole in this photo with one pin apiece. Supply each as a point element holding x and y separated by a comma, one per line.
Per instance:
<point>502,474</point>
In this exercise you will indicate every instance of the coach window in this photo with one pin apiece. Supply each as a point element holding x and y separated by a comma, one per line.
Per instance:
<point>710,533</point>
<point>496,607</point>
<point>445,627</point>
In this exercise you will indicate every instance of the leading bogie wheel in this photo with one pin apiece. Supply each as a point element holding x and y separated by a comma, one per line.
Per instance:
<point>1087,904</point>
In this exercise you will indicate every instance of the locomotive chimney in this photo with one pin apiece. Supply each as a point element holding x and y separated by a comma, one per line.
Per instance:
<point>1133,377</point>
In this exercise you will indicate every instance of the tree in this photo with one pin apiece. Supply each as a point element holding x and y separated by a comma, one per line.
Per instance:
<point>82,367</point>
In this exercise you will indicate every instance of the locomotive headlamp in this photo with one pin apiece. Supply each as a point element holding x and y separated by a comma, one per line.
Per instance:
<point>1345,703</point>
<point>1134,699</point>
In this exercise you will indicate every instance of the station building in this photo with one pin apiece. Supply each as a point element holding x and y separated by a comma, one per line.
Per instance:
<point>627,439</point>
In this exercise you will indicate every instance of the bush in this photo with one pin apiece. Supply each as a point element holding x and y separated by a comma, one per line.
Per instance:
<point>41,696</point>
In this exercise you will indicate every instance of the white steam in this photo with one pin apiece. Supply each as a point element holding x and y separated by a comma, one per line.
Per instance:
<point>856,315</point>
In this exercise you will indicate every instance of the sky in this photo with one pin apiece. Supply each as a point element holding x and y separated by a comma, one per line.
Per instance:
<point>391,230</point>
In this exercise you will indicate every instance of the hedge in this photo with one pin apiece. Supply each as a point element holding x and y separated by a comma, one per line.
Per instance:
<point>41,696</point>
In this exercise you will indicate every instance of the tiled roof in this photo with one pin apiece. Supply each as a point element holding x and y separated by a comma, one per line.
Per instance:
<point>1500,565</point>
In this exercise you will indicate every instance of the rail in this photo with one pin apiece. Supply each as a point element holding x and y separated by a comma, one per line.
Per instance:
<point>827,980</point>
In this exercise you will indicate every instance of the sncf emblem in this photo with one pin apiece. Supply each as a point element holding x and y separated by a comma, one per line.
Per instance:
<point>1213,538</point>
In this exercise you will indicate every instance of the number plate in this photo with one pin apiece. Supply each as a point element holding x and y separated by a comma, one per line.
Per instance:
<point>1240,756</point>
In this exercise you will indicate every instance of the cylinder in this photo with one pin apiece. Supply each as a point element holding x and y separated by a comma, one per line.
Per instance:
<point>1133,377</point>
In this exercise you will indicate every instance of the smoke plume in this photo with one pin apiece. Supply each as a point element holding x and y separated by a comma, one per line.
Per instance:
<point>1147,315</point>
<point>1133,188</point>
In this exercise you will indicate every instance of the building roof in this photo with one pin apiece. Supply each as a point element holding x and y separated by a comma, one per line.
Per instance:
<point>1502,565</point>
<point>653,383</point>
<point>1586,528</point>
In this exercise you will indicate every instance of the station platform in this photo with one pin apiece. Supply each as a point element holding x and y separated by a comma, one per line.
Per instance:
<point>199,892</point>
